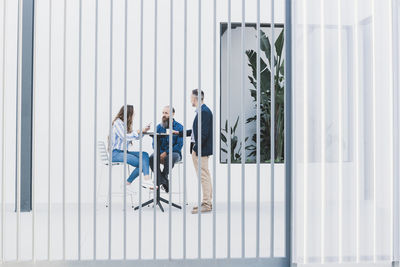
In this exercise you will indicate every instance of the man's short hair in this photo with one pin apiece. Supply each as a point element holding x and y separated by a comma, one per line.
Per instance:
<point>196,93</point>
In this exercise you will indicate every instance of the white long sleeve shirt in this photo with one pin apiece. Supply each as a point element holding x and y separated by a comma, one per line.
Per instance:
<point>117,139</point>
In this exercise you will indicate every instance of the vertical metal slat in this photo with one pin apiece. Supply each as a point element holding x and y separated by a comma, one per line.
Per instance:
<point>214,127</point>
<point>171,65</point>
<point>199,135</point>
<point>49,142</point>
<point>291,169</point>
<point>155,128</point>
<point>184,125</point>
<point>340,178</point>
<point>272,192</point>
<point>243,141</point>
<point>95,133</point>
<point>258,128</point>
<point>395,62</point>
<point>110,132</point>
<point>392,125</point>
<point>125,122</point>
<point>374,127</point>
<point>141,132</point>
<point>323,178</point>
<point>288,131</point>
<point>18,135</point>
<point>63,124</point>
<point>305,133</point>
<point>34,94</point>
<point>79,130</point>
<point>357,115</point>
<point>3,129</point>
<point>228,84</point>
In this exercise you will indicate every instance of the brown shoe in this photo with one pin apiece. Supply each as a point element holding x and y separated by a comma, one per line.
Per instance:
<point>196,207</point>
<point>204,208</point>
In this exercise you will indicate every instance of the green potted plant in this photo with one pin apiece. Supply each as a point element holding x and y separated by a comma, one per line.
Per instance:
<point>236,145</point>
<point>265,101</point>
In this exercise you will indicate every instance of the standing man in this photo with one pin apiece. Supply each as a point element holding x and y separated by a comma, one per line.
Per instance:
<point>177,143</point>
<point>206,148</point>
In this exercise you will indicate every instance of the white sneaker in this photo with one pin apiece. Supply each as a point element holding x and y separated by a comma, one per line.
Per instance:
<point>148,184</point>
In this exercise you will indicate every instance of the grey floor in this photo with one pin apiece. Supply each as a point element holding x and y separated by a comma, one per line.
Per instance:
<point>132,232</point>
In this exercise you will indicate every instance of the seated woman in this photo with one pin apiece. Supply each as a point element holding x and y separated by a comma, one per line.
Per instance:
<point>117,144</point>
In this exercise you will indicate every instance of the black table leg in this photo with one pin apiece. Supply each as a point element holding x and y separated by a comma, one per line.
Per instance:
<point>173,204</point>
<point>145,204</point>
<point>161,207</point>
<point>158,171</point>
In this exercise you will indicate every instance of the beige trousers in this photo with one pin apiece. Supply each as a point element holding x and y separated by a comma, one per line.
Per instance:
<point>205,178</point>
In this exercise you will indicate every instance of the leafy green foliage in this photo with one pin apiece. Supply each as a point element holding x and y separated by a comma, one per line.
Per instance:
<point>265,101</point>
<point>236,151</point>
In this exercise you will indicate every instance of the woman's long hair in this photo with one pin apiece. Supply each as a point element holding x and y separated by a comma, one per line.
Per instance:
<point>120,116</point>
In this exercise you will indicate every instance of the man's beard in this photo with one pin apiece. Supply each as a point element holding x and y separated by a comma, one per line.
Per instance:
<point>165,122</point>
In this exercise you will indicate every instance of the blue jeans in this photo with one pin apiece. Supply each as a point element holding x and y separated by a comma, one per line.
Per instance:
<point>132,158</point>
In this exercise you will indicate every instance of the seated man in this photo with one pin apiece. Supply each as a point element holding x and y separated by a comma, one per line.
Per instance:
<point>177,143</point>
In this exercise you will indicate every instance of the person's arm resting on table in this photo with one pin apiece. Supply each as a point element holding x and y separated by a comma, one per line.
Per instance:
<point>119,126</point>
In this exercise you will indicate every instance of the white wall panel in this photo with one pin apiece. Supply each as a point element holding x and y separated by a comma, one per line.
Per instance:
<point>343,128</point>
